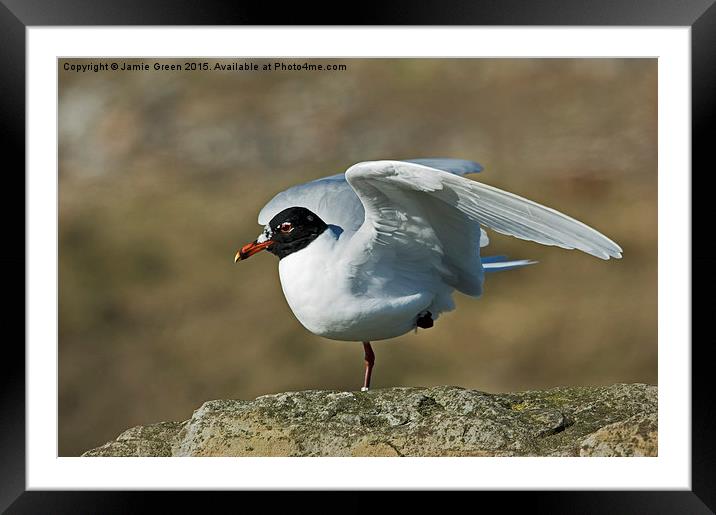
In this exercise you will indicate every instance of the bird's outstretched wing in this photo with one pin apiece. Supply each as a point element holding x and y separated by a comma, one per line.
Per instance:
<point>336,203</point>
<point>430,220</point>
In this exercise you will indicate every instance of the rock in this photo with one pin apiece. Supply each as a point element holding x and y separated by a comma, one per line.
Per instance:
<point>151,440</point>
<point>636,436</point>
<point>617,420</point>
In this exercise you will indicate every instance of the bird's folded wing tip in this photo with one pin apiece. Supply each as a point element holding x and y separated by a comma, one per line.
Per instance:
<point>612,254</point>
<point>615,251</point>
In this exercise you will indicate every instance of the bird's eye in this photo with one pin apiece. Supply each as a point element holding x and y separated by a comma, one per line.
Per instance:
<point>286,227</point>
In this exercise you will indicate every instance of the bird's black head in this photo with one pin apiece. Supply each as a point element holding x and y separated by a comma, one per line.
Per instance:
<point>289,231</point>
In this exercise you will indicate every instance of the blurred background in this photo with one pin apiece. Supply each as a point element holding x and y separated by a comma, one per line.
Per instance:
<point>162,175</point>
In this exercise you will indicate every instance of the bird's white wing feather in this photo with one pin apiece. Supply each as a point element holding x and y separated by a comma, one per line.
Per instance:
<point>453,166</point>
<point>431,217</point>
<point>409,236</point>
<point>336,203</point>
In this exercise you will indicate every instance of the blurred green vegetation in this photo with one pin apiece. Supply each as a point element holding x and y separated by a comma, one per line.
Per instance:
<point>162,176</point>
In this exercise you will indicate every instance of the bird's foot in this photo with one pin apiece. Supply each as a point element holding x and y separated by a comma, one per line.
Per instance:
<point>425,320</point>
<point>364,389</point>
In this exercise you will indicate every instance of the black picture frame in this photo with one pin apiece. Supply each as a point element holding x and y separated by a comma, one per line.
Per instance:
<point>699,15</point>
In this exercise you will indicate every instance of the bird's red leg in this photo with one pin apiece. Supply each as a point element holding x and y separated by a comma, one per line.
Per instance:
<point>369,362</point>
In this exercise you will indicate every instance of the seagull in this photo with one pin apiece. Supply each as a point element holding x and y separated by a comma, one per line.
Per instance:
<point>378,251</point>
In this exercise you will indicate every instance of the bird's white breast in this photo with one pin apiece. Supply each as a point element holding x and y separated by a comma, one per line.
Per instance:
<point>309,282</point>
<point>318,288</point>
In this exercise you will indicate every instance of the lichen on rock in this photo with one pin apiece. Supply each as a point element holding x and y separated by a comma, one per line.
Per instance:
<point>616,420</point>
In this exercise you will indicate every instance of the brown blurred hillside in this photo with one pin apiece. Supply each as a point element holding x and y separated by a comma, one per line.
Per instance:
<point>162,176</point>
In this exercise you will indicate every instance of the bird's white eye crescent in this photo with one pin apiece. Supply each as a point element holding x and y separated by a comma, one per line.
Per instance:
<point>286,227</point>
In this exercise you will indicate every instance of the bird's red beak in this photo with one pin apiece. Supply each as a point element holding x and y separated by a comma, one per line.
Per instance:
<point>250,249</point>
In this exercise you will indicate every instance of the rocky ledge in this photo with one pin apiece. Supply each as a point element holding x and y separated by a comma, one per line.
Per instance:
<point>617,420</point>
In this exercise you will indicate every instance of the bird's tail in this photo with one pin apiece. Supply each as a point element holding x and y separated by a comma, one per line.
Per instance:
<point>500,263</point>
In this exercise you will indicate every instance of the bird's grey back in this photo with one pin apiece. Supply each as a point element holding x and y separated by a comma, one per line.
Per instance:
<point>336,203</point>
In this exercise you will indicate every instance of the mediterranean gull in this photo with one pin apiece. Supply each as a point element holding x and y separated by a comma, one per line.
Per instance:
<point>378,251</point>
